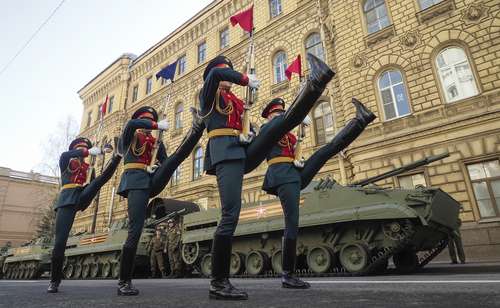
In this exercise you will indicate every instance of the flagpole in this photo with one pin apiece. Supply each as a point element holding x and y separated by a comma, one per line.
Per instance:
<point>250,93</point>
<point>343,173</point>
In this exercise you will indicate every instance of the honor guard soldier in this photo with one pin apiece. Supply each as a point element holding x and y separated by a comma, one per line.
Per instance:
<point>138,183</point>
<point>74,196</point>
<point>229,157</point>
<point>287,175</point>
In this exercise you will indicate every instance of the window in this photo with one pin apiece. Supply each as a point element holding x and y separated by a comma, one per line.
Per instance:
<point>182,64</point>
<point>279,65</point>
<point>275,7</point>
<point>197,163</point>
<point>393,94</point>
<point>149,85</point>
<point>323,123</point>
<point>315,46</point>
<point>99,114</point>
<point>485,179</point>
<point>178,115</point>
<point>455,74</point>
<point>176,177</point>
<point>110,104</point>
<point>135,92</point>
<point>89,118</point>
<point>427,3</point>
<point>202,52</point>
<point>376,15</point>
<point>224,38</point>
<point>412,181</point>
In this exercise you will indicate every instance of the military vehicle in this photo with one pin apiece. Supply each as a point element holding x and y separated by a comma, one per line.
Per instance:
<point>98,255</point>
<point>28,261</point>
<point>344,230</point>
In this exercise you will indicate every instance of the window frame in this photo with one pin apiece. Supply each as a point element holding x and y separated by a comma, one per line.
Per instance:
<point>176,176</point>
<point>382,71</point>
<point>89,118</point>
<point>437,51</point>
<point>285,64</point>
<point>321,43</point>
<point>176,114</point>
<point>182,65</point>
<point>419,2</point>
<point>197,173</point>
<point>321,101</point>
<point>421,170</point>
<point>470,187</point>
<point>280,6</point>
<point>365,18</point>
<point>149,85</point>
<point>135,93</point>
<point>203,43</point>
<point>224,30</point>
<point>110,104</point>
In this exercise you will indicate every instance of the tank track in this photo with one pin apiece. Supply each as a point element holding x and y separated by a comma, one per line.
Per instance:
<point>431,254</point>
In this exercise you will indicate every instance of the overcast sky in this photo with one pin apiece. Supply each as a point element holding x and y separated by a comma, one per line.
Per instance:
<point>83,37</point>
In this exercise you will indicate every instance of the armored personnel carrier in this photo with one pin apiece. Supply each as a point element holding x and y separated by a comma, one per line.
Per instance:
<point>98,255</point>
<point>28,261</point>
<point>344,230</point>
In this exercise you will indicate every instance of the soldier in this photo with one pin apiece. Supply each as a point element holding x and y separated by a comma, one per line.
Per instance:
<point>229,157</point>
<point>288,174</point>
<point>6,247</point>
<point>455,245</point>
<point>156,247</point>
<point>173,248</point>
<point>138,184</point>
<point>74,196</point>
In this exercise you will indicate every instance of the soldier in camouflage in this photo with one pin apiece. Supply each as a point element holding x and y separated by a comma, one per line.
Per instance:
<point>173,248</point>
<point>156,247</point>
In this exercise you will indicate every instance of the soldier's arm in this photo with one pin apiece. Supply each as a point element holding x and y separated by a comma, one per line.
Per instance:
<point>132,125</point>
<point>211,84</point>
<point>162,153</point>
<point>67,156</point>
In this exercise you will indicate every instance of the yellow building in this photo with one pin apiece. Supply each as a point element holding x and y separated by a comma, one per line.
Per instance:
<point>430,70</point>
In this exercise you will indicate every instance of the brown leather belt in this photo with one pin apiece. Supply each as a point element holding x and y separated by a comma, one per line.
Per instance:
<point>280,159</point>
<point>223,132</point>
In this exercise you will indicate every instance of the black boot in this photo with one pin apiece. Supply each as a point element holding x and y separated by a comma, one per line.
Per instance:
<point>56,266</point>
<point>220,287</point>
<point>125,286</point>
<point>288,280</point>
<point>362,113</point>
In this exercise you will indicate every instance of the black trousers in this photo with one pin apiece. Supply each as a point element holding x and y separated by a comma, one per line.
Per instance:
<point>229,180</point>
<point>65,217</point>
<point>136,209</point>
<point>289,195</point>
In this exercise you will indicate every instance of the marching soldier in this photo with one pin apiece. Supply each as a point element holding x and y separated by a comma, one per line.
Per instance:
<point>156,247</point>
<point>287,175</point>
<point>229,157</point>
<point>173,248</point>
<point>74,196</point>
<point>138,184</point>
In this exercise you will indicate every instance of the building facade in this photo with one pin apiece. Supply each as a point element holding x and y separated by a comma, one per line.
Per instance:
<point>429,69</point>
<point>24,197</point>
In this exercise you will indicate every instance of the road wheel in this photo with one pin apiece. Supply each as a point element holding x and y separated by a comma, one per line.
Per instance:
<point>237,263</point>
<point>206,265</point>
<point>277,261</point>
<point>85,270</point>
<point>94,270</point>
<point>190,252</point>
<point>106,269</point>
<point>115,270</point>
<point>406,261</point>
<point>69,270</point>
<point>78,270</point>
<point>320,259</point>
<point>257,262</point>
<point>354,257</point>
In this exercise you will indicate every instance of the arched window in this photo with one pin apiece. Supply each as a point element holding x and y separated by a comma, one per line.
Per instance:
<point>176,177</point>
<point>197,163</point>
<point>427,3</point>
<point>279,65</point>
<point>323,123</point>
<point>393,94</point>
<point>376,15</point>
<point>178,115</point>
<point>315,46</point>
<point>457,79</point>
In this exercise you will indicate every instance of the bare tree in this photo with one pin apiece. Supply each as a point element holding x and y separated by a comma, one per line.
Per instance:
<point>46,224</point>
<point>56,143</point>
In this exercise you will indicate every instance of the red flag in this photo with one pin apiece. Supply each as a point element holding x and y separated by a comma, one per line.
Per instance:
<point>295,67</point>
<point>104,106</point>
<point>245,19</point>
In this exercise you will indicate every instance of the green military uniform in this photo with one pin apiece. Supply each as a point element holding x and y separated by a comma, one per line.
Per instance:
<point>173,248</point>
<point>156,247</point>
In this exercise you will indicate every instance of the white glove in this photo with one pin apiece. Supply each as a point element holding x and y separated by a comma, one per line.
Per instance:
<point>163,125</point>
<point>94,151</point>
<point>246,139</point>
<point>152,169</point>
<point>253,82</point>
<point>299,163</point>
<point>307,120</point>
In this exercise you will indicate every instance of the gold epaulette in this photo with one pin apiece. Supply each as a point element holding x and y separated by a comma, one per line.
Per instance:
<point>280,159</point>
<point>223,132</point>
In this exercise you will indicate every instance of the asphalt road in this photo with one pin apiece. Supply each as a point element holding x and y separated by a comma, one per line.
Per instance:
<point>469,285</point>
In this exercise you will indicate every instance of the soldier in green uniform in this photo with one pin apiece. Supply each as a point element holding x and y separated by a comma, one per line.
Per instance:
<point>6,247</point>
<point>173,248</point>
<point>156,247</point>
<point>455,246</point>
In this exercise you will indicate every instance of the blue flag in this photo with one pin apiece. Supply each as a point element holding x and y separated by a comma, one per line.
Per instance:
<point>167,72</point>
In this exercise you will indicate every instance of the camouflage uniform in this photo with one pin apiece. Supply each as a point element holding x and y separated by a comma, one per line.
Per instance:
<point>156,247</point>
<point>173,248</point>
